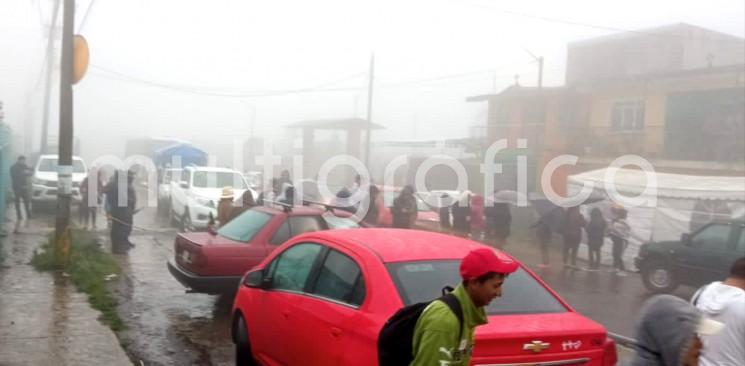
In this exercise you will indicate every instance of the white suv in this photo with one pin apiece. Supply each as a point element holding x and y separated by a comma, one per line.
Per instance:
<point>197,193</point>
<point>44,184</point>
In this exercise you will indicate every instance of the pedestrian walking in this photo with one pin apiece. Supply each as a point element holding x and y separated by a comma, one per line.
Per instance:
<point>19,175</point>
<point>444,207</point>
<point>404,209</point>
<point>725,303</point>
<point>498,222</point>
<point>247,201</point>
<point>443,330</point>
<point>574,222</point>
<point>461,214</point>
<point>595,236</point>
<point>225,205</point>
<point>373,206</point>
<point>483,272</point>
<point>668,332</point>
<point>122,215</point>
<point>544,235</point>
<point>477,217</point>
<point>619,231</point>
<point>88,208</point>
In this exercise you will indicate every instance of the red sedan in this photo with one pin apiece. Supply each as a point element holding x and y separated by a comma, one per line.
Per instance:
<point>214,262</point>
<point>322,298</point>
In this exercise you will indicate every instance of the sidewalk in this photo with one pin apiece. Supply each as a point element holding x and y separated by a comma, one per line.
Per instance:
<point>44,320</point>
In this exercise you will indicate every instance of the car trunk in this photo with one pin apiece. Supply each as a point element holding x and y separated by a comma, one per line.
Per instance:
<point>188,252</point>
<point>567,338</point>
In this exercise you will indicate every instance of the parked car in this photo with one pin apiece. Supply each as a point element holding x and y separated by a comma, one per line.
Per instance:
<point>323,297</point>
<point>44,183</point>
<point>696,259</point>
<point>196,194</point>
<point>210,262</point>
<point>164,188</point>
<point>426,218</point>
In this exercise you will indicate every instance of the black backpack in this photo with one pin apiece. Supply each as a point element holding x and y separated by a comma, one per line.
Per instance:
<point>396,339</point>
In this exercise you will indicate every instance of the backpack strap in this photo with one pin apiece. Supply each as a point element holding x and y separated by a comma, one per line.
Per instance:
<point>452,302</point>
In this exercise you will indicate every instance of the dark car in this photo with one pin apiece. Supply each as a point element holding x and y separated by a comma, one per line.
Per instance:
<point>696,259</point>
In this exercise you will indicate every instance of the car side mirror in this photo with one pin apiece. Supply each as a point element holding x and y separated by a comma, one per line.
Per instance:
<point>686,239</point>
<point>184,185</point>
<point>256,279</point>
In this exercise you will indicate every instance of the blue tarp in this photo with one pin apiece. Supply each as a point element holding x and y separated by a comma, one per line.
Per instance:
<point>190,155</point>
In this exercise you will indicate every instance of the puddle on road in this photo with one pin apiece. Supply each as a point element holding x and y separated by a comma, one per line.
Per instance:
<point>165,325</point>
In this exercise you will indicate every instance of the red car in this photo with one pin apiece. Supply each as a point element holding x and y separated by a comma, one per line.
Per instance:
<point>214,262</point>
<point>323,297</point>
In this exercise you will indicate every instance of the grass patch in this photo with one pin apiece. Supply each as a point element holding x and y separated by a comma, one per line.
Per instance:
<point>88,267</point>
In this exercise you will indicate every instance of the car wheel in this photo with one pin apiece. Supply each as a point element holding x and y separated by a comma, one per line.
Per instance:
<point>658,277</point>
<point>172,217</point>
<point>243,355</point>
<point>186,222</point>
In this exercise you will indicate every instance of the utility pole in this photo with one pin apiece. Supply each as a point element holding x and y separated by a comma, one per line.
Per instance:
<point>539,60</point>
<point>369,110</point>
<point>64,172</point>
<point>48,85</point>
<point>540,72</point>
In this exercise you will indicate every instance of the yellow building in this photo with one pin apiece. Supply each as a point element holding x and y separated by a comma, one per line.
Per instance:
<point>679,102</point>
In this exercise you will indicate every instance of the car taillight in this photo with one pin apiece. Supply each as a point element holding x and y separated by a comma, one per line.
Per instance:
<point>610,357</point>
<point>198,259</point>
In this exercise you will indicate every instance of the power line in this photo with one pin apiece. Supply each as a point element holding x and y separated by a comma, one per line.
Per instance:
<point>588,25</point>
<point>85,16</point>
<point>245,94</point>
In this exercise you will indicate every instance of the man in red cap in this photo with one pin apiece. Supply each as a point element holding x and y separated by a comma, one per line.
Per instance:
<point>436,335</point>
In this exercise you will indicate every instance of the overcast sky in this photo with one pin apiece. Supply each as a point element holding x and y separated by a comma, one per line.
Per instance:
<point>198,70</point>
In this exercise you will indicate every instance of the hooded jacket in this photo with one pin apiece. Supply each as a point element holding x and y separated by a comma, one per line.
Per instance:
<point>436,333</point>
<point>725,304</point>
<point>665,331</point>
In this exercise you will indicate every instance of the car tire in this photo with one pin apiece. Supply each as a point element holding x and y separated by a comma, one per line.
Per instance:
<point>243,354</point>
<point>658,277</point>
<point>186,222</point>
<point>172,217</point>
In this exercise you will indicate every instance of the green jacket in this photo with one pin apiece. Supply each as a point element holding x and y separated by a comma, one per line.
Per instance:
<point>436,340</point>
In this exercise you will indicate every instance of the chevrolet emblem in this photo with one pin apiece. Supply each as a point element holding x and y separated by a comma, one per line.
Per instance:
<point>535,346</point>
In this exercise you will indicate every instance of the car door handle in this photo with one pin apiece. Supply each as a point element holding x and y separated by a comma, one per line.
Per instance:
<point>335,332</point>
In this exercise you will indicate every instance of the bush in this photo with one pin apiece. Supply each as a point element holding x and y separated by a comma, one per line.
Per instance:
<point>88,267</point>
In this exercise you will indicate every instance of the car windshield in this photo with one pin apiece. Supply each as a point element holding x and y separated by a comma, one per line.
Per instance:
<point>50,165</point>
<point>245,226</point>
<point>336,222</point>
<point>204,179</point>
<point>423,281</point>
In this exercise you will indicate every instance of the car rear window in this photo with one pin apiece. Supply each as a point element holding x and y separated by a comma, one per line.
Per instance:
<point>245,226</point>
<point>422,281</point>
<point>336,222</point>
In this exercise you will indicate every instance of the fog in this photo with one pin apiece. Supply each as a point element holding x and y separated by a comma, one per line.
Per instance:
<point>199,72</point>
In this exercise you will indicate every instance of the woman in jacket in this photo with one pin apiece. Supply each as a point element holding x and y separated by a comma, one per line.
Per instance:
<point>619,232</point>
<point>595,236</point>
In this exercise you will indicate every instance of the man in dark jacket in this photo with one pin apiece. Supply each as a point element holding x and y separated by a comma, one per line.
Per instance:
<point>19,174</point>
<point>121,214</point>
<point>404,209</point>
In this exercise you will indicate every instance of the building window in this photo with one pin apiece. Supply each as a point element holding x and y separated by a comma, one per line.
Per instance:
<point>628,116</point>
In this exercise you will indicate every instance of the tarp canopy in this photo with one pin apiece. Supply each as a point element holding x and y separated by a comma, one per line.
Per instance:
<point>634,182</point>
<point>683,204</point>
<point>189,154</point>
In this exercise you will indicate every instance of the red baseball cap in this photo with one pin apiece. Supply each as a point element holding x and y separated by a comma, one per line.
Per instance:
<point>481,261</point>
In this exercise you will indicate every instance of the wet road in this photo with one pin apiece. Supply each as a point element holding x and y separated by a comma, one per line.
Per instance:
<point>165,325</point>
<point>609,299</point>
